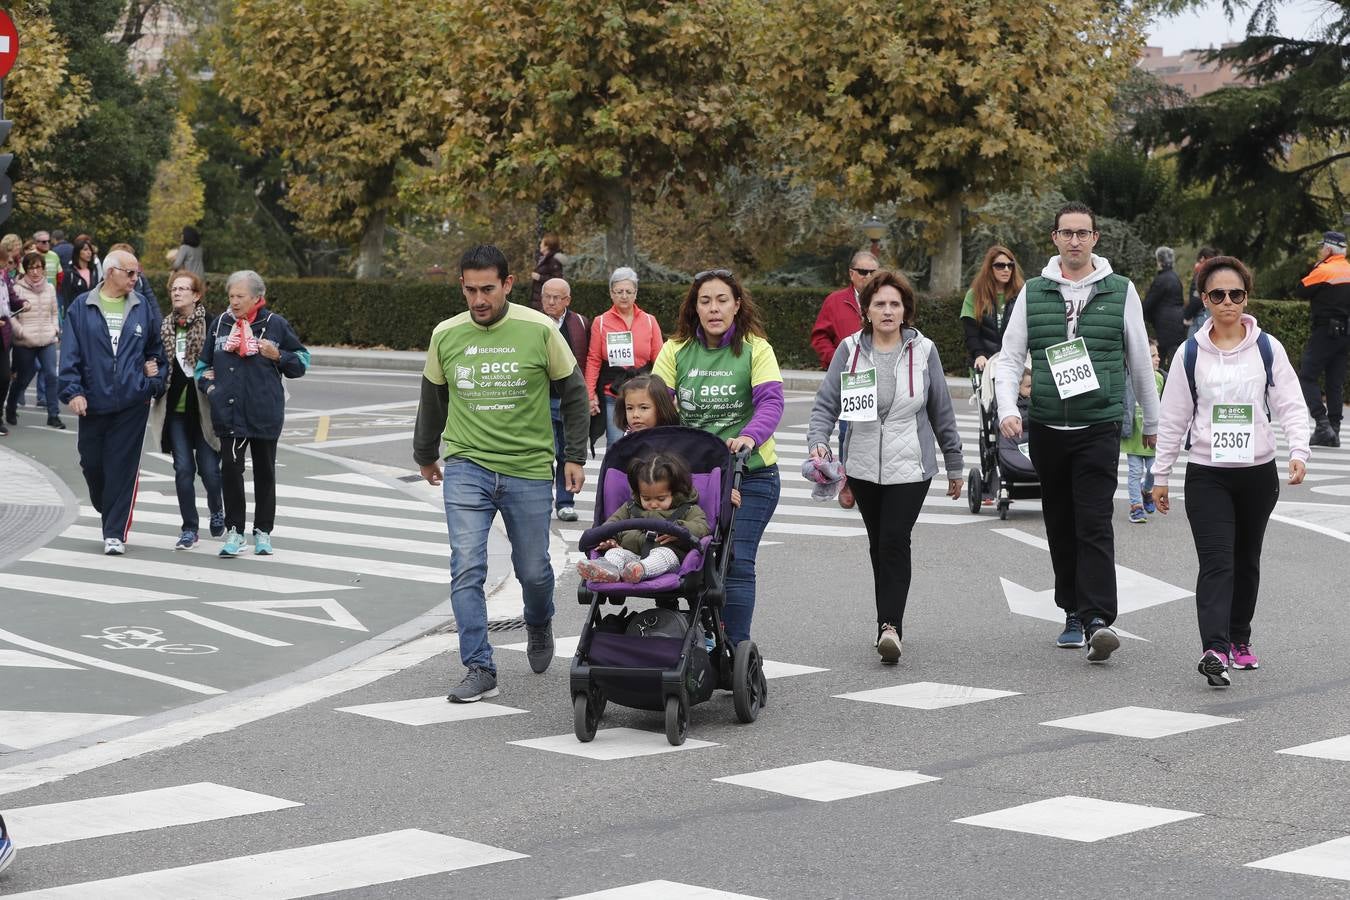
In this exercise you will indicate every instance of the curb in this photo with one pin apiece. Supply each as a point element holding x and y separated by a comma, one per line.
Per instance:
<point>25,527</point>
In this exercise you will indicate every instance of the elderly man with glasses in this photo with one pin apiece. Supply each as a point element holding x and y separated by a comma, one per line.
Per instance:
<point>112,366</point>
<point>841,316</point>
<point>1084,327</point>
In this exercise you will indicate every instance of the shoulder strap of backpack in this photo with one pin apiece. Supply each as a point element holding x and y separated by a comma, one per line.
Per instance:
<point>1188,363</point>
<point>1268,360</point>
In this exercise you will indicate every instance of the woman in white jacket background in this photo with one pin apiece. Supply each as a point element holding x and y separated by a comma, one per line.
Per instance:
<point>1223,400</point>
<point>887,383</point>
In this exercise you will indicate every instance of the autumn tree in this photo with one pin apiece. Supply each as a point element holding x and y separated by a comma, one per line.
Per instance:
<point>178,196</point>
<point>935,105</point>
<point>43,98</point>
<point>347,91</point>
<point>596,104</point>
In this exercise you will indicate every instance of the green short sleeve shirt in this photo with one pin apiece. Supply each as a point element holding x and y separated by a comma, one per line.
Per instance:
<point>498,382</point>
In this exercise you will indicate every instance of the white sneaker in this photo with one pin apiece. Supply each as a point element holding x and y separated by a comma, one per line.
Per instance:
<point>113,547</point>
<point>888,645</point>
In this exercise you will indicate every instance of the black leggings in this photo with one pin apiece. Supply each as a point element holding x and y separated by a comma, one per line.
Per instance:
<point>264,453</point>
<point>889,512</point>
<point>1228,509</point>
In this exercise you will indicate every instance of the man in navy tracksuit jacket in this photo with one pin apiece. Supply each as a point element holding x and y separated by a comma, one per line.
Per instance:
<point>112,366</point>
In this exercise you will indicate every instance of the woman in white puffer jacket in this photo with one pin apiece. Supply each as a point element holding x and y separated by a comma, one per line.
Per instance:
<point>887,382</point>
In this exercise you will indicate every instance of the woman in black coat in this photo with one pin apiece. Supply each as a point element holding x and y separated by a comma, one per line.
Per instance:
<point>1165,305</point>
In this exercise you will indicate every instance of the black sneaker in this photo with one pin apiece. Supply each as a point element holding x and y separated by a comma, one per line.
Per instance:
<point>55,422</point>
<point>1215,669</point>
<point>3,430</point>
<point>477,684</point>
<point>1072,635</point>
<point>11,417</point>
<point>217,524</point>
<point>539,646</point>
<point>1102,641</point>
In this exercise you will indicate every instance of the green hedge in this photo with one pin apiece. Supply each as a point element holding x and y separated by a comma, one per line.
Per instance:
<point>399,315</point>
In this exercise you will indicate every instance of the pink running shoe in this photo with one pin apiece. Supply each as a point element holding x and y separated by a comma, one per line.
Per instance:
<point>1243,657</point>
<point>634,572</point>
<point>600,570</point>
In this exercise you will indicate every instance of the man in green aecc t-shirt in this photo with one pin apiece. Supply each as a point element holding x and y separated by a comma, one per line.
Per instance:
<point>485,393</point>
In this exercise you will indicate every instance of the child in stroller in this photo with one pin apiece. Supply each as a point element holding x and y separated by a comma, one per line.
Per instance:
<point>1005,472</point>
<point>659,659</point>
<point>662,489</point>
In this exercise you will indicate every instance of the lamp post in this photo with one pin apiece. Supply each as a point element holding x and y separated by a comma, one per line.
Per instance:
<point>875,229</point>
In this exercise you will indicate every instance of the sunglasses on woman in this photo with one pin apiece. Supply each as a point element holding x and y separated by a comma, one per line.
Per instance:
<point>1004,266</point>
<point>1236,297</point>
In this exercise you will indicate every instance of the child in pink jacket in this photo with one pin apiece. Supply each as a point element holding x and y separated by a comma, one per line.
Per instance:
<point>1232,483</point>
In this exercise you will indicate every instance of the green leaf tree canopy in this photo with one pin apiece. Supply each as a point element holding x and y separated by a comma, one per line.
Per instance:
<point>936,105</point>
<point>596,104</point>
<point>346,91</point>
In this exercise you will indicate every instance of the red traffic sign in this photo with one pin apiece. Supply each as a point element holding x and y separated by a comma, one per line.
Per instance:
<point>9,43</point>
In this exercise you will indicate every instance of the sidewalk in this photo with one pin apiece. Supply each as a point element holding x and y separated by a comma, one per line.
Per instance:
<point>35,505</point>
<point>413,361</point>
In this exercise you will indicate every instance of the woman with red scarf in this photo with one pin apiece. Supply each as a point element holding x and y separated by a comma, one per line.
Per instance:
<point>248,350</point>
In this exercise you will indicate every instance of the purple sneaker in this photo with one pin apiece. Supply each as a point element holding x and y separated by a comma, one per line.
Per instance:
<point>1215,669</point>
<point>1243,657</point>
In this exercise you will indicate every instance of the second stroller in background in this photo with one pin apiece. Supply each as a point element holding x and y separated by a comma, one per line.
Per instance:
<point>1005,472</point>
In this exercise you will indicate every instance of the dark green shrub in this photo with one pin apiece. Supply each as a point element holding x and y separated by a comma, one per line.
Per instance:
<point>400,315</point>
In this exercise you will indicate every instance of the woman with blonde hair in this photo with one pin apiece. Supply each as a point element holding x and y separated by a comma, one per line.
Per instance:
<point>988,304</point>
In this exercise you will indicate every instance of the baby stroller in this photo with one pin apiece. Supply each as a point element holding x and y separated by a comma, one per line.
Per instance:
<point>659,658</point>
<point>1005,471</point>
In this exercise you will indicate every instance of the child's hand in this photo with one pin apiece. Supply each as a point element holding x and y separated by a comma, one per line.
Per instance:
<point>736,497</point>
<point>607,545</point>
<point>666,539</point>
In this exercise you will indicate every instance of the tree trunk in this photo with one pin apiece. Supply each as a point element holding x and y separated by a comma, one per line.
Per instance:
<point>370,258</point>
<point>370,255</point>
<point>945,272</point>
<point>619,246</point>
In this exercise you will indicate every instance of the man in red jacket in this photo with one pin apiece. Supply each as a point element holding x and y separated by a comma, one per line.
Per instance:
<point>840,316</point>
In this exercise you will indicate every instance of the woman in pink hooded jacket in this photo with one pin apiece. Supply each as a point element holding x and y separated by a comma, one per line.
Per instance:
<point>1242,378</point>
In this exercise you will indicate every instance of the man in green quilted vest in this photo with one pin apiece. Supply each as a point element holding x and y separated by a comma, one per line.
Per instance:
<point>1084,328</point>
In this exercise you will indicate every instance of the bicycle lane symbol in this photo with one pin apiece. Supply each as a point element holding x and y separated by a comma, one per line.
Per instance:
<point>143,637</point>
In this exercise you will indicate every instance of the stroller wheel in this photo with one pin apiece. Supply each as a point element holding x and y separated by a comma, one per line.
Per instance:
<point>586,712</point>
<point>677,720</point>
<point>1003,509</point>
<point>749,688</point>
<point>975,490</point>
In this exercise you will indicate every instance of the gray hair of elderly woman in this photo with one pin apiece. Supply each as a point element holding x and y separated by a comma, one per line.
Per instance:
<point>1165,256</point>
<point>252,280</point>
<point>623,273</point>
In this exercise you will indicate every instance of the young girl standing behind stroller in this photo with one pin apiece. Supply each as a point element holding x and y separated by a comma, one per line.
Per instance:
<point>662,489</point>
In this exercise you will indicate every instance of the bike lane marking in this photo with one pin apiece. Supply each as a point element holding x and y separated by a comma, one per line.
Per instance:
<point>94,662</point>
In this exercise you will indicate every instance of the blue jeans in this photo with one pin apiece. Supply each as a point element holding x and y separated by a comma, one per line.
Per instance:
<point>192,455</point>
<point>612,431</point>
<point>1140,477</point>
<point>759,498</point>
<point>473,497</point>
<point>27,362</point>
<point>562,496</point>
<point>843,436</point>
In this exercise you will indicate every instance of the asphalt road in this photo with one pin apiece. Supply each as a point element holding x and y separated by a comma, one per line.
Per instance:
<point>1181,791</point>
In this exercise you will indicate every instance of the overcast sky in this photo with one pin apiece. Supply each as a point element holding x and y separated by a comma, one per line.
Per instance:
<point>1209,27</point>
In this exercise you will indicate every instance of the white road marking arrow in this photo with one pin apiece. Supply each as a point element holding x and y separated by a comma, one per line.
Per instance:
<point>1134,590</point>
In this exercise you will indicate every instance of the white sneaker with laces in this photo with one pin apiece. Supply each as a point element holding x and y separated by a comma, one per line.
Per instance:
<point>113,547</point>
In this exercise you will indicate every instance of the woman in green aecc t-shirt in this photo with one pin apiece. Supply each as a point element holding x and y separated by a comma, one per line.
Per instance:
<point>725,379</point>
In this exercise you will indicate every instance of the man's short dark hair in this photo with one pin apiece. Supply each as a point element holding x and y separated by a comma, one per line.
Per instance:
<point>1076,207</point>
<point>484,256</point>
<point>58,236</point>
<point>1207,253</point>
